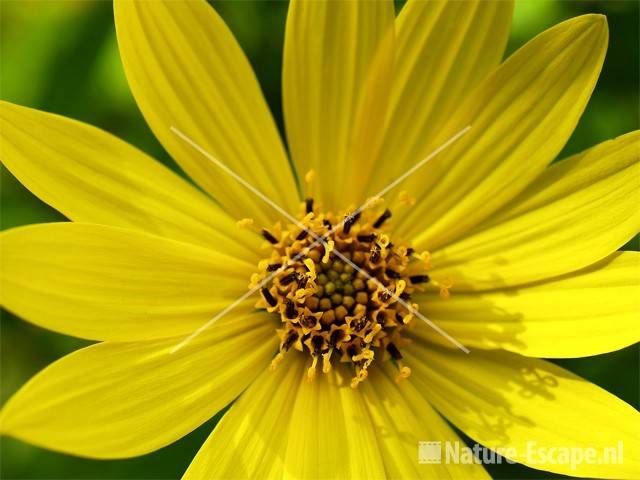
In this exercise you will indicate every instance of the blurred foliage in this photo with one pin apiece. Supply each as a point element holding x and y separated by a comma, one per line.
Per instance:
<point>62,56</point>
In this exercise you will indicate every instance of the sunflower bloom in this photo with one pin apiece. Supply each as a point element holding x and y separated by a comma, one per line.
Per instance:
<point>333,371</point>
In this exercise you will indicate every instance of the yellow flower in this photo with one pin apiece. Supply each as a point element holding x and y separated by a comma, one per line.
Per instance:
<point>524,251</point>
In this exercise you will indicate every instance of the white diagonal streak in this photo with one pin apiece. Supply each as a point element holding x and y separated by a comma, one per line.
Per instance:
<point>318,239</point>
<point>230,172</point>
<point>418,165</point>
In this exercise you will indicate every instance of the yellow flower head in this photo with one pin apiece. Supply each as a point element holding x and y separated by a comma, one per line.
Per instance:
<point>413,259</point>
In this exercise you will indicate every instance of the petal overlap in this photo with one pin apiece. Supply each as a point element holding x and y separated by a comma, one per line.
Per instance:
<point>118,400</point>
<point>110,283</point>
<point>524,405</point>
<point>187,71</point>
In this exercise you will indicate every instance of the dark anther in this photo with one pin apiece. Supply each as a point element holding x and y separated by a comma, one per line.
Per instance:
<point>317,341</point>
<point>273,267</point>
<point>399,319</point>
<point>352,350</point>
<point>267,235</point>
<point>385,295</point>
<point>291,338</point>
<point>419,278</point>
<point>287,279</point>
<point>290,309</point>
<point>268,297</point>
<point>382,218</point>
<point>392,273</point>
<point>410,251</point>
<point>367,238</point>
<point>309,205</point>
<point>360,324</point>
<point>405,296</point>
<point>302,280</point>
<point>350,221</point>
<point>308,321</point>
<point>302,235</point>
<point>394,352</point>
<point>326,223</point>
<point>335,337</point>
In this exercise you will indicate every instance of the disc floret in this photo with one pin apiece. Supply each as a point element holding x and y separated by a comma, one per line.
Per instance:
<point>342,290</point>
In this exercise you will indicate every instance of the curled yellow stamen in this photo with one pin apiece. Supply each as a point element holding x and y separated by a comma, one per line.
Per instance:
<point>245,223</point>
<point>311,267</point>
<point>328,246</point>
<point>310,176</point>
<point>369,338</point>
<point>445,287</point>
<point>276,360</point>
<point>403,373</point>
<point>400,286</point>
<point>255,279</point>
<point>311,373</point>
<point>406,199</point>
<point>425,257</point>
<point>326,361</point>
<point>364,355</point>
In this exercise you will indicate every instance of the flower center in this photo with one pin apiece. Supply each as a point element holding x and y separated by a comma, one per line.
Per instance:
<point>342,290</point>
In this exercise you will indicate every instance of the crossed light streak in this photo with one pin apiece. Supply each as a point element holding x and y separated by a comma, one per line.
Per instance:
<point>317,239</point>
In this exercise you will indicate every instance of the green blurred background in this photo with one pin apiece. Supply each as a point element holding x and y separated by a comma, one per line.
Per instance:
<point>61,56</point>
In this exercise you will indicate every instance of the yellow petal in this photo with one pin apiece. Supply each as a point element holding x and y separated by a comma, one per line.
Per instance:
<point>520,116</point>
<point>91,176</point>
<point>503,400</point>
<point>338,59</point>
<point>589,312</point>
<point>443,50</point>
<point>573,174</point>
<point>284,426</point>
<point>402,418</point>
<point>251,439</point>
<point>115,400</point>
<point>331,435</point>
<point>578,212</point>
<point>187,71</point>
<point>109,283</point>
